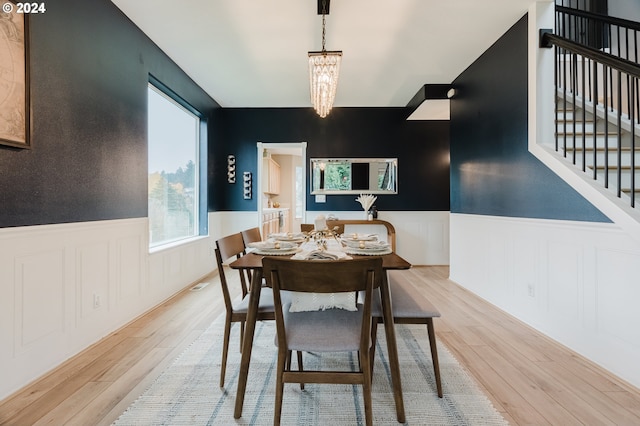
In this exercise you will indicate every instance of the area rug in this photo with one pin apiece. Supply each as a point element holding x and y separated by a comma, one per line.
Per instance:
<point>187,392</point>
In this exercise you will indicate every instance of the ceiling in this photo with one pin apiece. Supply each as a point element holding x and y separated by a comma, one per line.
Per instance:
<point>253,53</point>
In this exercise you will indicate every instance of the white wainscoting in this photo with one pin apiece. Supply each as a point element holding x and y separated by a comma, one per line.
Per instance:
<point>576,282</point>
<point>422,237</point>
<point>64,287</point>
<point>225,223</point>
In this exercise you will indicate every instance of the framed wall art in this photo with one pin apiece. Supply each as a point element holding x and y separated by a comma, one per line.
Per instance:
<point>14,77</point>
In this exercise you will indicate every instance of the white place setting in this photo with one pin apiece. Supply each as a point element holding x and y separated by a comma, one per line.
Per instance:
<point>274,248</point>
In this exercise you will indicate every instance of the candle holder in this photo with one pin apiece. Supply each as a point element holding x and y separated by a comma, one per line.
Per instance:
<point>320,237</point>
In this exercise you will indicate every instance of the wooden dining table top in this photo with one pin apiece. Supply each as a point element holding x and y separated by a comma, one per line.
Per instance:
<point>254,261</point>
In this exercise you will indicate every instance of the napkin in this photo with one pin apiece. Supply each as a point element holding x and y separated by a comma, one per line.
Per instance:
<point>357,237</point>
<point>271,245</point>
<point>286,235</point>
<point>373,245</point>
<point>320,255</point>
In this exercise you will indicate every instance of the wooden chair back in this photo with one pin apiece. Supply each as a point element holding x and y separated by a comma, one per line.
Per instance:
<point>231,246</point>
<point>307,227</point>
<point>337,227</point>
<point>251,236</point>
<point>322,276</point>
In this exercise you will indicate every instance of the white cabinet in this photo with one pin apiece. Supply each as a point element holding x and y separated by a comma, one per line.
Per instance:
<point>270,223</point>
<point>270,176</point>
<point>284,223</point>
<point>274,221</point>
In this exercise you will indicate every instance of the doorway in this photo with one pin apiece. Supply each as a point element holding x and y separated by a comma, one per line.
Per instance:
<point>281,186</point>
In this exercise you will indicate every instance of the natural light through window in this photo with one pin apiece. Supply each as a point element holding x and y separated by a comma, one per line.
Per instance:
<point>173,170</point>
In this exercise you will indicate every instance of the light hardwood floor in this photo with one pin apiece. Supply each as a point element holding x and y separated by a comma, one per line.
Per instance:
<point>529,378</point>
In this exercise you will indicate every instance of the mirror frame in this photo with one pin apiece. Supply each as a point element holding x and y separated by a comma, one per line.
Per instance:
<point>315,168</point>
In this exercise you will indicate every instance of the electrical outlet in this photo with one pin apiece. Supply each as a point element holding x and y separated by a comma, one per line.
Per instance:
<point>531,290</point>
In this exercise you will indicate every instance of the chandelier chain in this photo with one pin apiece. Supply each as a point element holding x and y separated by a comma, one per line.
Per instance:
<point>323,31</point>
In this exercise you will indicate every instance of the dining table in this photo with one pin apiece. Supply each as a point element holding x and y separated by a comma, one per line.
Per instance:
<point>253,262</point>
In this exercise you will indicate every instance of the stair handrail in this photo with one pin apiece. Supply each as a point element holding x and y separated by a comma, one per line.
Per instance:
<point>598,16</point>
<point>591,25</point>
<point>576,54</point>
<point>549,39</point>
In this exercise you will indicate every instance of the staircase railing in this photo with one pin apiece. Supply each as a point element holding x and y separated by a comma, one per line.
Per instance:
<point>600,88</point>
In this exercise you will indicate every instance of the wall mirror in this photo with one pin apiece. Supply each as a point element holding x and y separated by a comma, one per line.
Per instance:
<point>354,175</point>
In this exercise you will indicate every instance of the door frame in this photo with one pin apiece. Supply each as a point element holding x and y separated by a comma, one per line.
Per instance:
<point>262,146</point>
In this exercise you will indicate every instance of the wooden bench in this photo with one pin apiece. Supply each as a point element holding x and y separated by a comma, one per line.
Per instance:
<point>409,306</point>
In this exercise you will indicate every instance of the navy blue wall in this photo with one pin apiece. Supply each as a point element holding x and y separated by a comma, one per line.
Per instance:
<point>89,71</point>
<point>492,172</point>
<point>422,149</point>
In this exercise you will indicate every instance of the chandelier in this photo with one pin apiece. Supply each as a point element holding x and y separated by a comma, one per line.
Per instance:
<point>324,68</point>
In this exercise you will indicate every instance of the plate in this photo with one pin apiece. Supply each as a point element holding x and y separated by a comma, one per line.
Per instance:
<point>277,252</point>
<point>294,238</point>
<point>370,245</point>
<point>359,237</point>
<point>271,245</point>
<point>367,252</point>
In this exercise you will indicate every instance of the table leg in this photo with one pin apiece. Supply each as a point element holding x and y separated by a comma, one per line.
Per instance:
<point>392,348</point>
<point>247,343</point>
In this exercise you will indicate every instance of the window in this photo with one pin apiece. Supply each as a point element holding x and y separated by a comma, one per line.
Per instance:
<point>174,172</point>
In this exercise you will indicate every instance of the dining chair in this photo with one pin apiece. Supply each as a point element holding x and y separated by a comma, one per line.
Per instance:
<point>329,330</point>
<point>251,235</point>
<point>408,306</point>
<point>307,227</point>
<point>336,225</point>
<point>232,246</point>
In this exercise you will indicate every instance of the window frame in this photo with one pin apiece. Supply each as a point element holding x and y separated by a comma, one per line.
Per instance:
<point>200,225</point>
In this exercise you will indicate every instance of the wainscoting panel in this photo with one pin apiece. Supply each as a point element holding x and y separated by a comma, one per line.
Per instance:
<point>172,264</point>
<point>39,303</point>
<point>128,253</point>
<point>222,224</point>
<point>577,282</point>
<point>614,293</point>
<point>64,287</point>
<point>496,272</point>
<point>564,296</point>
<point>93,278</point>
